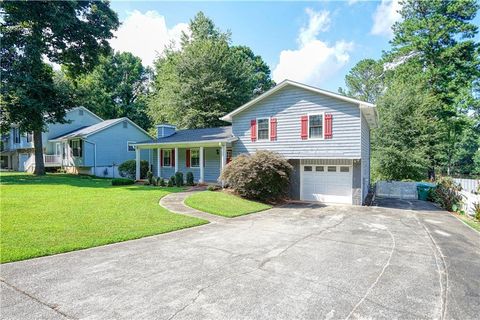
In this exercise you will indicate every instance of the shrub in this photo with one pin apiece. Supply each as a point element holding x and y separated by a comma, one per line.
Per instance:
<point>262,176</point>
<point>171,181</point>
<point>476,210</point>
<point>178,179</point>
<point>150,178</point>
<point>161,182</point>
<point>127,169</point>
<point>122,182</point>
<point>189,179</point>
<point>213,187</point>
<point>447,194</point>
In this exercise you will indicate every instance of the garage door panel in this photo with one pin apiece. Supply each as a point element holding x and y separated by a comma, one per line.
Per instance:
<point>327,186</point>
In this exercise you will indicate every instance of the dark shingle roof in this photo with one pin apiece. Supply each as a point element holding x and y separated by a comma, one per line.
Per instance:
<point>196,135</point>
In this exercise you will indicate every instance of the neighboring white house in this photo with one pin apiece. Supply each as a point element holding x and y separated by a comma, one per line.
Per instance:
<point>84,144</point>
<point>324,135</point>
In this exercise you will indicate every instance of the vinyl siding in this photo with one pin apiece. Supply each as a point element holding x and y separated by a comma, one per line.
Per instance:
<point>287,106</point>
<point>112,145</point>
<point>365,140</point>
<point>212,165</point>
<point>76,121</point>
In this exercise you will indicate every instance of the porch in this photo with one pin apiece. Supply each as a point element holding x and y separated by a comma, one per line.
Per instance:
<point>205,160</point>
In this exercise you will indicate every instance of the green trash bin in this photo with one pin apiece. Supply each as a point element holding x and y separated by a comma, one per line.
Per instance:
<point>423,189</point>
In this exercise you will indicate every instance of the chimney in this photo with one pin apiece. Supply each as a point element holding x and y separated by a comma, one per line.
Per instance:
<point>165,130</point>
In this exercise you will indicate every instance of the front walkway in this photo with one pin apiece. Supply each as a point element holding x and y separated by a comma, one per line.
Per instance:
<point>175,202</point>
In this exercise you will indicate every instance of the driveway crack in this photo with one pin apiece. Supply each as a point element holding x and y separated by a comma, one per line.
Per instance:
<point>48,305</point>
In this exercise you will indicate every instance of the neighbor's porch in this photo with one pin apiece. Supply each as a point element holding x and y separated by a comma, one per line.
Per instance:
<point>204,160</point>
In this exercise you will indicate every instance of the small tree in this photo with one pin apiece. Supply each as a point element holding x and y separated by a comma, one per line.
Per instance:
<point>263,176</point>
<point>128,169</point>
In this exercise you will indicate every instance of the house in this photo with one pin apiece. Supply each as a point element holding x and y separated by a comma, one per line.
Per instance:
<point>84,144</point>
<point>324,135</point>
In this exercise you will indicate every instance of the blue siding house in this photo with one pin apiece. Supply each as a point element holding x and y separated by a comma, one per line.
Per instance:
<point>324,135</point>
<point>85,144</point>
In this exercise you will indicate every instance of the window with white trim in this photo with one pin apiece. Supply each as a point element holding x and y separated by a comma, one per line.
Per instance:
<point>29,136</point>
<point>76,147</point>
<point>194,158</point>
<point>263,129</point>
<point>16,135</point>
<point>315,126</point>
<point>130,147</point>
<point>167,157</point>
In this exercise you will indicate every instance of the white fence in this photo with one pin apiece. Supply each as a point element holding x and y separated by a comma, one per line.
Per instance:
<point>469,185</point>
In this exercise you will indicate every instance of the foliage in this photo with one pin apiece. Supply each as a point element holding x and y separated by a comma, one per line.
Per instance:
<point>264,175</point>
<point>161,182</point>
<point>171,181</point>
<point>365,81</point>
<point>476,210</point>
<point>223,204</point>
<point>447,194</point>
<point>179,179</point>
<point>117,87</point>
<point>128,169</point>
<point>206,78</point>
<point>71,33</point>
<point>213,187</point>
<point>189,179</point>
<point>150,178</point>
<point>122,182</point>
<point>94,213</point>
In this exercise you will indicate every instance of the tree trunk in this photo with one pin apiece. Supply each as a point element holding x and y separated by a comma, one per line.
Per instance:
<point>37,143</point>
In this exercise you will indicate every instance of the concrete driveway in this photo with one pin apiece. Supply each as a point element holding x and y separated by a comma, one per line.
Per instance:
<point>401,260</point>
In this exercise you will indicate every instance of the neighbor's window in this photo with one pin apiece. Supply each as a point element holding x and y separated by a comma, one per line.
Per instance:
<point>167,155</point>
<point>16,135</point>
<point>29,136</point>
<point>195,158</point>
<point>130,146</point>
<point>262,129</point>
<point>315,125</point>
<point>76,147</point>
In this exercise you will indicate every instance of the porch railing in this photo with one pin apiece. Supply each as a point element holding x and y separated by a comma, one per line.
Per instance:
<point>52,159</point>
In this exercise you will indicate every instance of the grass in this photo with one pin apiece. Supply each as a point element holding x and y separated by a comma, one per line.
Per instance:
<point>59,213</point>
<point>472,222</point>
<point>223,204</point>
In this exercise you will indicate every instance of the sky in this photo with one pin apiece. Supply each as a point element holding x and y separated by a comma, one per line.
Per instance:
<point>315,43</point>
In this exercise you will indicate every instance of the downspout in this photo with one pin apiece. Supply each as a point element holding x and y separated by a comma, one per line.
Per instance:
<point>94,156</point>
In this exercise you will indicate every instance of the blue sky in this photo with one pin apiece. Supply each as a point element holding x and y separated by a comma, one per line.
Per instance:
<point>312,42</point>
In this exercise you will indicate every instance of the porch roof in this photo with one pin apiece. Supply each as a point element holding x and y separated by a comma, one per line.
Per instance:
<point>194,136</point>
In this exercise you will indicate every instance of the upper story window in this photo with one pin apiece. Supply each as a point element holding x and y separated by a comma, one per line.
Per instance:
<point>16,135</point>
<point>195,158</point>
<point>76,147</point>
<point>263,129</point>
<point>315,126</point>
<point>130,146</point>
<point>29,136</point>
<point>167,157</point>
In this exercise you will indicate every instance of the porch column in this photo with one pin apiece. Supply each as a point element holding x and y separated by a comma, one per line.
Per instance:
<point>137,163</point>
<point>223,158</point>
<point>159,168</point>
<point>202,171</point>
<point>176,160</point>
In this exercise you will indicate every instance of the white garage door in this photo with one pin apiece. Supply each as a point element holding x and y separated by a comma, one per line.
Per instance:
<point>326,183</point>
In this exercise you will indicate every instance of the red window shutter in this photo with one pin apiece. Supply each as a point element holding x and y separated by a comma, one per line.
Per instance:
<point>187,158</point>
<point>328,126</point>
<point>273,129</point>
<point>172,157</point>
<point>304,126</point>
<point>253,130</point>
<point>161,157</point>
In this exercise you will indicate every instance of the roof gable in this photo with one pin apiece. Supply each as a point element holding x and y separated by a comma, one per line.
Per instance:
<point>367,108</point>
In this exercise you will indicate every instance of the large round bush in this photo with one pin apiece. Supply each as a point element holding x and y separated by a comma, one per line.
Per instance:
<point>127,169</point>
<point>262,176</point>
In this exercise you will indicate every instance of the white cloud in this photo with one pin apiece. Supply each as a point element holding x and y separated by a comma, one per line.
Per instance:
<point>146,35</point>
<point>385,16</point>
<point>314,61</point>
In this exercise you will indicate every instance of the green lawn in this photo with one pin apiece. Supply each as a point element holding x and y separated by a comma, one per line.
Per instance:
<point>59,213</point>
<point>223,204</point>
